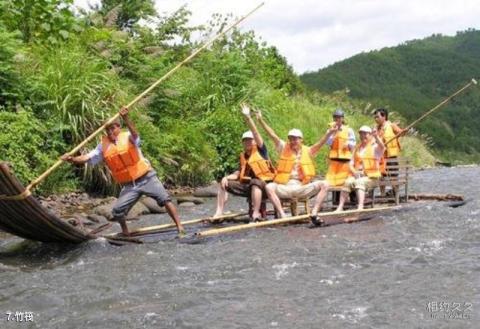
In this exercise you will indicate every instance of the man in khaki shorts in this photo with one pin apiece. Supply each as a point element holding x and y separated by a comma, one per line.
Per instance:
<point>364,166</point>
<point>295,169</point>
<point>254,172</point>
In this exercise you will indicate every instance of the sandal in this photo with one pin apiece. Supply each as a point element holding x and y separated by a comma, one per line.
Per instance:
<point>316,220</point>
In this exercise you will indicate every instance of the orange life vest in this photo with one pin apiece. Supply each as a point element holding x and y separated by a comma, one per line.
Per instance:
<point>262,168</point>
<point>339,148</point>
<point>338,172</point>
<point>367,162</point>
<point>393,148</point>
<point>287,161</point>
<point>123,159</point>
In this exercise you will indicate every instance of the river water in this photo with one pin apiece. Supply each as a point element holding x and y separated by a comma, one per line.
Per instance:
<point>418,268</point>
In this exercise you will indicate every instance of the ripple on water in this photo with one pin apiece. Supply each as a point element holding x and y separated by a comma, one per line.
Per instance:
<point>353,315</point>
<point>282,269</point>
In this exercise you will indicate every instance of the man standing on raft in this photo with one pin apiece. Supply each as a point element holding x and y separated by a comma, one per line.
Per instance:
<point>121,152</point>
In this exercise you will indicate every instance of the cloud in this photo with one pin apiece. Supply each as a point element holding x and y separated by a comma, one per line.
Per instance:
<point>313,34</point>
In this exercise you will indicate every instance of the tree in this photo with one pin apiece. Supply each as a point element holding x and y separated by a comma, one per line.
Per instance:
<point>39,20</point>
<point>126,13</point>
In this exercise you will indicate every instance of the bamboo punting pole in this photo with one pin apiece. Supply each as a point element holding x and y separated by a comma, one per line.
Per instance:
<point>288,220</point>
<point>162,227</point>
<point>129,105</point>
<point>426,114</point>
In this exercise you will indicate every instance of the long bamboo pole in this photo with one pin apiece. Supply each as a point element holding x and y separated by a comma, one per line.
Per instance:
<point>162,227</point>
<point>134,101</point>
<point>426,114</point>
<point>288,220</point>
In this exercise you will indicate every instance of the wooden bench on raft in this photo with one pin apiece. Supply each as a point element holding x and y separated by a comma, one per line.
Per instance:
<point>292,204</point>
<point>397,174</point>
<point>398,171</point>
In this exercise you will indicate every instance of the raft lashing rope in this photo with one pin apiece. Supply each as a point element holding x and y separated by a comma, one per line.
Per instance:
<point>27,218</point>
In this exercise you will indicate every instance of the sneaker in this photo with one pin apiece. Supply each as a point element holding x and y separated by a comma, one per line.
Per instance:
<point>316,220</point>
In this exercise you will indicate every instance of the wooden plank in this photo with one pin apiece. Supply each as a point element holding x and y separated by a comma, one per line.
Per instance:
<point>289,220</point>
<point>164,227</point>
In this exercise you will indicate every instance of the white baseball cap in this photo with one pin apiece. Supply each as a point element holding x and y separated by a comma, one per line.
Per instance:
<point>247,134</point>
<point>365,129</point>
<point>295,133</point>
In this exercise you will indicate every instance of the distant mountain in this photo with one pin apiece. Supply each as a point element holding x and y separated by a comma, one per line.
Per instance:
<point>413,77</point>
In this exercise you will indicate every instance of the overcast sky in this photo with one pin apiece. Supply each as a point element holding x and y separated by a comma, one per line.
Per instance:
<point>313,34</point>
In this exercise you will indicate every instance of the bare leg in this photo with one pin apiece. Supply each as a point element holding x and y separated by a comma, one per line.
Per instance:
<point>319,198</point>
<point>123,225</point>
<point>256,201</point>
<point>341,203</point>
<point>361,198</point>
<point>382,191</point>
<point>222,197</point>
<point>275,200</point>
<point>172,211</point>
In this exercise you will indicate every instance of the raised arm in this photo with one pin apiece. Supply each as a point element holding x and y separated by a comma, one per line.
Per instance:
<point>268,130</point>
<point>251,125</point>
<point>315,148</point>
<point>131,127</point>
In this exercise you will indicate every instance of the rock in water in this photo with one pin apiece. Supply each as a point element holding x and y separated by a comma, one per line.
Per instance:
<point>153,206</point>
<point>97,218</point>
<point>183,199</point>
<point>105,211</point>
<point>187,204</point>
<point>207,191</point>
<point>137,210</point>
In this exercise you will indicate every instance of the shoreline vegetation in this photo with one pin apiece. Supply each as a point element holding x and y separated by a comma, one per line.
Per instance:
<point>62,75</point>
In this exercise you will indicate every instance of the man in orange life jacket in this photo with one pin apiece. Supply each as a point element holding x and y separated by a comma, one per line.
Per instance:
<point>341,148</point>
<point>364,166</point>
<point>387,131</point>
<point>254,172</point>
<point>295,169</point>
<point>123,157</point>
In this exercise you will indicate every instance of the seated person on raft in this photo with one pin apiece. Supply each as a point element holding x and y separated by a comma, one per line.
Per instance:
<point>341,144</point>
<point>254,173</point>
<point>120,150</point>
<point>364,166</point>
<point>295,169</point>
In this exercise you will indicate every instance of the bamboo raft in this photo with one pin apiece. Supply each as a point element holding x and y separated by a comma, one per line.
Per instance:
<point>27,218</point>
<point>23,215</point>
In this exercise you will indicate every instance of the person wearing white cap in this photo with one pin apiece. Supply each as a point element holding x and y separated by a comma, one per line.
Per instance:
<point>364,166</point>
<point>295,169</point>
<point>254,172</point>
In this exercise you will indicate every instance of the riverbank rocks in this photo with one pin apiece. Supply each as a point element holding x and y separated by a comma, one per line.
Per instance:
<point>137,210</point>
<point>193,199</point>
<point>209,191</point>
<point>187,204</point>
<point>153,206</point>
<point>96,218</point>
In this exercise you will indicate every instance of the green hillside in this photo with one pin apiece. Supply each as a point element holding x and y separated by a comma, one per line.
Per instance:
<point>413,77</point>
